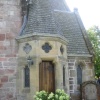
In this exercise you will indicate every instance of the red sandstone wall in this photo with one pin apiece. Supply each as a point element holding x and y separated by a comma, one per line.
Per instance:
<point>10,23</point>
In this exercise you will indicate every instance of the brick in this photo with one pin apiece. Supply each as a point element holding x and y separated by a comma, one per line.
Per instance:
<point>71,82</point>
<point>3,59</point>
<point>11,24</point>
<point>12,79</point>
<point>70,64</point>
<point>4,79</point>
<point>70,67</point>
<point>18,24</point>
<point>2,71</point>
<point>9,63</point>
<point>1,43</point>
<point>72,60</point>
<point>72,73</point>
<point>5,90</point>
<point>9,85</point>
<point>9,96</point>
<point>2,55</point>
<point>71,87</point>
<point>10,35</point>
<point>9,71</point>
<point>2,47</point>
<point>1,85</point>
<point>6,43</point>
<point>2,24</point>
<point>10,55</point>
<point>0,64</point>
<point>70,78</point>
<point>12,59</point>
<point>2,37</point>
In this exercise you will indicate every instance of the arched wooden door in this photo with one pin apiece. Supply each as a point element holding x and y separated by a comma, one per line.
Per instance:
<point>46,76</point>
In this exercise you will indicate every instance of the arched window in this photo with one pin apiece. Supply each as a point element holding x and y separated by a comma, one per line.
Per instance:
<point>79,74</point>
<point>63,76</point>
<point>27,77</point>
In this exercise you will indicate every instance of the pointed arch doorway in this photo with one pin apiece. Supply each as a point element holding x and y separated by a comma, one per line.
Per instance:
<point>47,76</point>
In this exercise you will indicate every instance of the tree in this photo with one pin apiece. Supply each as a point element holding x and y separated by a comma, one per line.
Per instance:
<point>94,36</point>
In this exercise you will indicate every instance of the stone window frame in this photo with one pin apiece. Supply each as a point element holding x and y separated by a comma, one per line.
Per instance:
<point>26,67</point>
<point>24,89</point>
<point>62,49</point>
<point>81,69</point>
<point>50,44</point>
<point>64,75</point>
<point>82,65</point>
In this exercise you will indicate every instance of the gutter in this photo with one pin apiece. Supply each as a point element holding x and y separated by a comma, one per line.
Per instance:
<point>23,25</point>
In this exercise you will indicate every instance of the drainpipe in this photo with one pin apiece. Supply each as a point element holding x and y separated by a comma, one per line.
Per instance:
<point>25,18</point>
<point>23,25</point>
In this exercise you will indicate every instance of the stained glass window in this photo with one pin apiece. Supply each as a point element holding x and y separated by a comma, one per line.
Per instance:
<point>63,76</point>
<point>27,76</point>
<point>79,74</point>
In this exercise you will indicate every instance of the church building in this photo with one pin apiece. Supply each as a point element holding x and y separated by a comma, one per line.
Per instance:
<point>43,46</point>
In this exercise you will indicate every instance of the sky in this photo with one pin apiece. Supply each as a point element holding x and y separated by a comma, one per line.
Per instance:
<point>89,11</point>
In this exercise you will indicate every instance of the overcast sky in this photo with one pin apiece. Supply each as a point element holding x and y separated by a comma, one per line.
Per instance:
<point>89,11</point>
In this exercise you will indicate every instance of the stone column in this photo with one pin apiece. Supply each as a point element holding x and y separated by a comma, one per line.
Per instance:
<point>58,75</point>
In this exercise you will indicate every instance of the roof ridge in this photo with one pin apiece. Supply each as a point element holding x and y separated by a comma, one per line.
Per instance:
<point>84,33</point>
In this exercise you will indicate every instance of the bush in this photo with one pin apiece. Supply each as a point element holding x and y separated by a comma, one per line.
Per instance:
<point>59,95</point>
<point>42,95</point>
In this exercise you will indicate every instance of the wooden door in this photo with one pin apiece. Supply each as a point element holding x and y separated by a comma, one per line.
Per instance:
<point>46,77</point>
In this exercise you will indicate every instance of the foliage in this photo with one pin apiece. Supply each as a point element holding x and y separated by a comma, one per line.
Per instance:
<point>94,35</point>
<point>59,95</point>
<point>42,95</point>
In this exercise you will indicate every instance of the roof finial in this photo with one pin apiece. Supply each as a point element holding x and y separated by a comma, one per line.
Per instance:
<point>75,9</point>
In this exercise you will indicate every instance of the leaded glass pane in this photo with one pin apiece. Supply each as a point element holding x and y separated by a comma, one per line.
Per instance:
<point>79,75</point>
<point>27,76</point>
<point>63,76</point>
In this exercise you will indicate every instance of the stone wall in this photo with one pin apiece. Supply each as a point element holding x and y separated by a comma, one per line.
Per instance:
<point>38,54</point>
<point>87,74</point>
<point>10,23</point>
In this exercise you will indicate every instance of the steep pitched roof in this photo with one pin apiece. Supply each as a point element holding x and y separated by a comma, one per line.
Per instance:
<point>54,17</point>
<point>70,27</point>
<point>40,18</point>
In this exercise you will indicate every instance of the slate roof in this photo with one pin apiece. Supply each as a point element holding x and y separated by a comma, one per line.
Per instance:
<point>40,18</point>
<point>70,27</point>
<point>54,17</point>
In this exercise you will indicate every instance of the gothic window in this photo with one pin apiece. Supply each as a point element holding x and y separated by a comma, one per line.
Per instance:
<point>46,47</point>
<point>63,76</point>
<point>27,77</point>
<point>61,49</point>
<point>79,74</point>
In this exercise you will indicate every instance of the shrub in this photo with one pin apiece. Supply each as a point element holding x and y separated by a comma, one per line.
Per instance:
<point>42,95</point>
<point>59,95</point>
